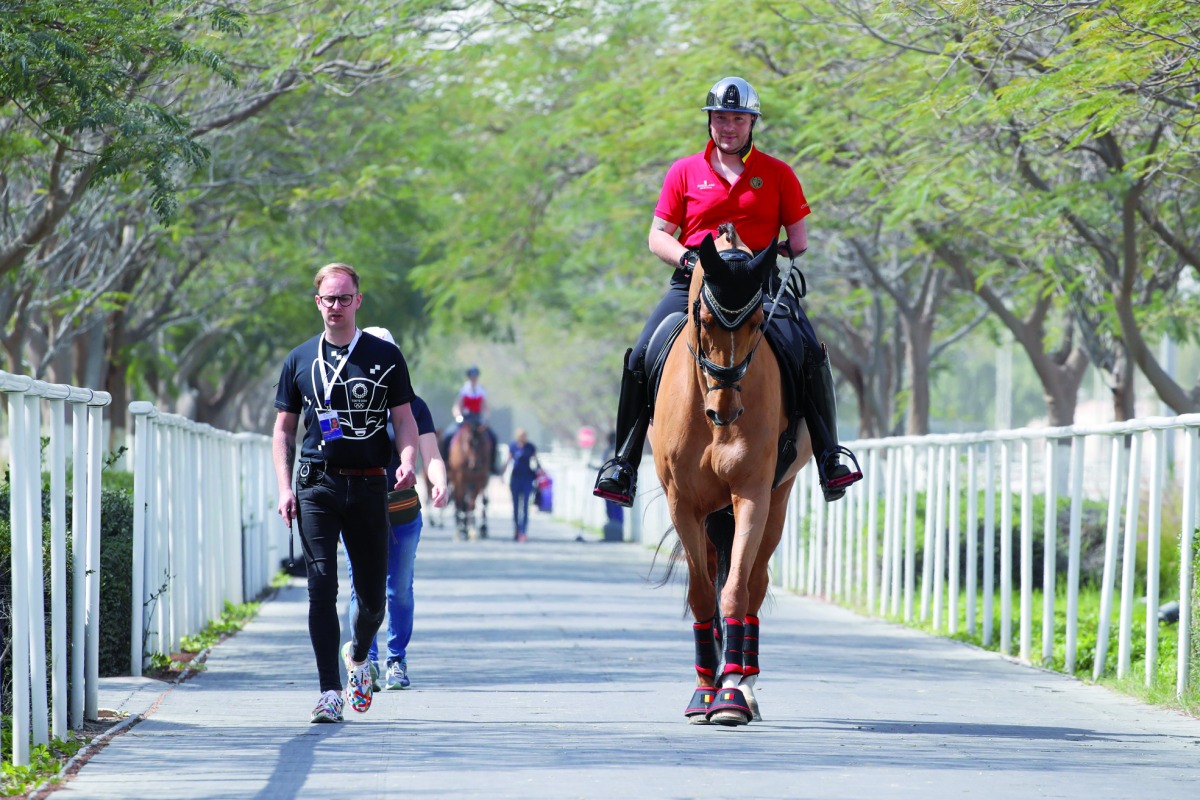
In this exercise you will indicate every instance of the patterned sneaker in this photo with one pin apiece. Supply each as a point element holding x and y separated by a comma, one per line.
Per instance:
<point>397,675</point>
<point>329,707</point>
<point>358,682</point>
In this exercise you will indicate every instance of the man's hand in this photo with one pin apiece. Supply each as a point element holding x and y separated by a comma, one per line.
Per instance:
<point>287,506</point>
<point>406,476</point>
<point>439,495</point>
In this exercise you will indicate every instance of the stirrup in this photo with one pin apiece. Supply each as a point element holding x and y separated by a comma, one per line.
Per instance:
<point>835,479</point>
<point>613,487</point>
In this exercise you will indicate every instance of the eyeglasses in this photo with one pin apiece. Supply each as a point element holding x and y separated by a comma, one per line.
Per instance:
<point>331,300</point>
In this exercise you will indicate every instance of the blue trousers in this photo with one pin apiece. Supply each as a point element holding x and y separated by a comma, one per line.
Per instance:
<point>520,499</point>
<point>401,564</point>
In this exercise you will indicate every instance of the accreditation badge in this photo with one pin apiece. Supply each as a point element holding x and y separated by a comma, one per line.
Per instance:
<point>330,429</point>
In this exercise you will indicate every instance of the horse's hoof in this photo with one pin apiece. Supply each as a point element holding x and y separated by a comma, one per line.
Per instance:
<point>729,708</point>
<point>697,710</point>
<point>752,701</point>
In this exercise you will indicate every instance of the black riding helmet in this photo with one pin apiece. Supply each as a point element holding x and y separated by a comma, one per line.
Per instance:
<point>737,95</point>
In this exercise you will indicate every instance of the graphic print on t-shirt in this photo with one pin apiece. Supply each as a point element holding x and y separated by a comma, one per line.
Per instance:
<point>360,402</point>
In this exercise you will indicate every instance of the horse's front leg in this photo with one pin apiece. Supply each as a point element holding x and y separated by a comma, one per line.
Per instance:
<point>732,706</point>
<point>702,600</point>
<point>758,584</point>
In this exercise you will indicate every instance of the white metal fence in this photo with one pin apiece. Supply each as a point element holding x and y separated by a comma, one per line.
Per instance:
<point>202,532</point>
<point>573,479</point>
<point>34,661</point>
<point>929,534</point>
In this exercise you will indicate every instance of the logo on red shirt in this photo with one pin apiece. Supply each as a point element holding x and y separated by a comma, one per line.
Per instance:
<point>705,185</point>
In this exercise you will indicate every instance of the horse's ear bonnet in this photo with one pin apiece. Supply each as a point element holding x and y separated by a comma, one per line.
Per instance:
<point>733,277</point>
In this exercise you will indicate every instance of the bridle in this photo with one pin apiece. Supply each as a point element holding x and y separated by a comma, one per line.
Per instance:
<point>730,320</point>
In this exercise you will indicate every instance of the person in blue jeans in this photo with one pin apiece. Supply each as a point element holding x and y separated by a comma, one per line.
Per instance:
<point>522,455</point>
<point>402,555</point>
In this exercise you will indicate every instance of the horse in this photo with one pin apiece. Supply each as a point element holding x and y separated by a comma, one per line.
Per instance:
<point>718,421</point>
<point>468,465</point>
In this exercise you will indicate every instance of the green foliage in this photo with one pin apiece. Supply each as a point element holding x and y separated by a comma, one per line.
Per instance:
<point>232,619</point>
<point>82,69</point>
<point>44,762</point>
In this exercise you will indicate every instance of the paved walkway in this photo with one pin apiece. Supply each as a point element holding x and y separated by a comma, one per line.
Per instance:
<point>554,669</point>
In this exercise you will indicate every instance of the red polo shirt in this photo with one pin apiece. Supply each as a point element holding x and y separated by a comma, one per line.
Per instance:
<point>767,196</point>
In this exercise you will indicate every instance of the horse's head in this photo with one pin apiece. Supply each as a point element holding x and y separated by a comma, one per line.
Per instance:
<point>727,313</point>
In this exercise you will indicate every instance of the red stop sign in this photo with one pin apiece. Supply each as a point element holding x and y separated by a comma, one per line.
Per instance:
<point>586,437</point>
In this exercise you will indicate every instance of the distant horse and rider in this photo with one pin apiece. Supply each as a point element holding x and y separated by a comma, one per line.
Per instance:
<point>468,454</point>
<point>727,447</point>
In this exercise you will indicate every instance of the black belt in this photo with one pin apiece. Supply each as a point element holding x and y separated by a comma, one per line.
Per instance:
<point>323,467</point>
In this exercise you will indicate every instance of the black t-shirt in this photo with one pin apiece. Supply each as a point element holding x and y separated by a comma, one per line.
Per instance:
<point>374,380</point>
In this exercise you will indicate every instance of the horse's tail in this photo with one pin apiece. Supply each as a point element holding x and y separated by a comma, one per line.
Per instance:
<point>719,527</point>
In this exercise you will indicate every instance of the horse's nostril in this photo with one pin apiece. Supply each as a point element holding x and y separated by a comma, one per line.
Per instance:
<point>715,417</point>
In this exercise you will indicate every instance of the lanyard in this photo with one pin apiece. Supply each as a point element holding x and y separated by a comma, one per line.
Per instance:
<point>326,380</point>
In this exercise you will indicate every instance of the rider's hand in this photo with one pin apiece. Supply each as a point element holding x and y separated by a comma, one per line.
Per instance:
<point>784,249</point>
<point>687,261</point>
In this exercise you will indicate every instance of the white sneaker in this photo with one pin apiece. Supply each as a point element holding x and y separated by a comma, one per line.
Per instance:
<point>358,682</point>
<point>397,676</point>
<point>329,707</point>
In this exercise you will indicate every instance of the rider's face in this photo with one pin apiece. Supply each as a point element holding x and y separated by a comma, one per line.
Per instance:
<point>730,129</point>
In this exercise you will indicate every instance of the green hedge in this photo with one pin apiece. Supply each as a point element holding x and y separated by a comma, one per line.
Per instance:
<point>116,555</point>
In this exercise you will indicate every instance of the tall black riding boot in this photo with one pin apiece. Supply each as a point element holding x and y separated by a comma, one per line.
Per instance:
<point>617,480</point>
<point>821,415</point>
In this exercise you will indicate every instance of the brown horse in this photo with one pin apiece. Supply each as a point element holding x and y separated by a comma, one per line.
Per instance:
<point>717,427</point>
<point>468,465</point>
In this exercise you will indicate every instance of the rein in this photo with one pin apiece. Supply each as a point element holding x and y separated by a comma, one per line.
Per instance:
<point>731,320</point>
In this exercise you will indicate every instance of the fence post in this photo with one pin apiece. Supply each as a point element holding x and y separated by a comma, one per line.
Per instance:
<point>22,570</point>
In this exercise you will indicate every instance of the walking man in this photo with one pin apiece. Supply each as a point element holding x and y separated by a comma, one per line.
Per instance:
<point>346,385</point>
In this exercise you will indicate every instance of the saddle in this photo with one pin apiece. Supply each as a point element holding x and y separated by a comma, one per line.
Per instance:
<point>786,339</point>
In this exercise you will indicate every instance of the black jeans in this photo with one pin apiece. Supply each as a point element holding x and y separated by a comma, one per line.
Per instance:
<point>354,508</point>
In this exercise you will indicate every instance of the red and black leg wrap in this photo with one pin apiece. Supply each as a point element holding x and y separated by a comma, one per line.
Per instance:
<point>750,646</point>
<point>706,648</point>
<point>734,635</point>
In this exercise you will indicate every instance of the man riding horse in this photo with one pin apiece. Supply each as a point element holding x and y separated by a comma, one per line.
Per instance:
<point>730,181</point>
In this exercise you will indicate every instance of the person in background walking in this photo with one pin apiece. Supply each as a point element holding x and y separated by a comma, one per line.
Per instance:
<point>347,384</point>
<point>522,455</point>
<point>402,553</point>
